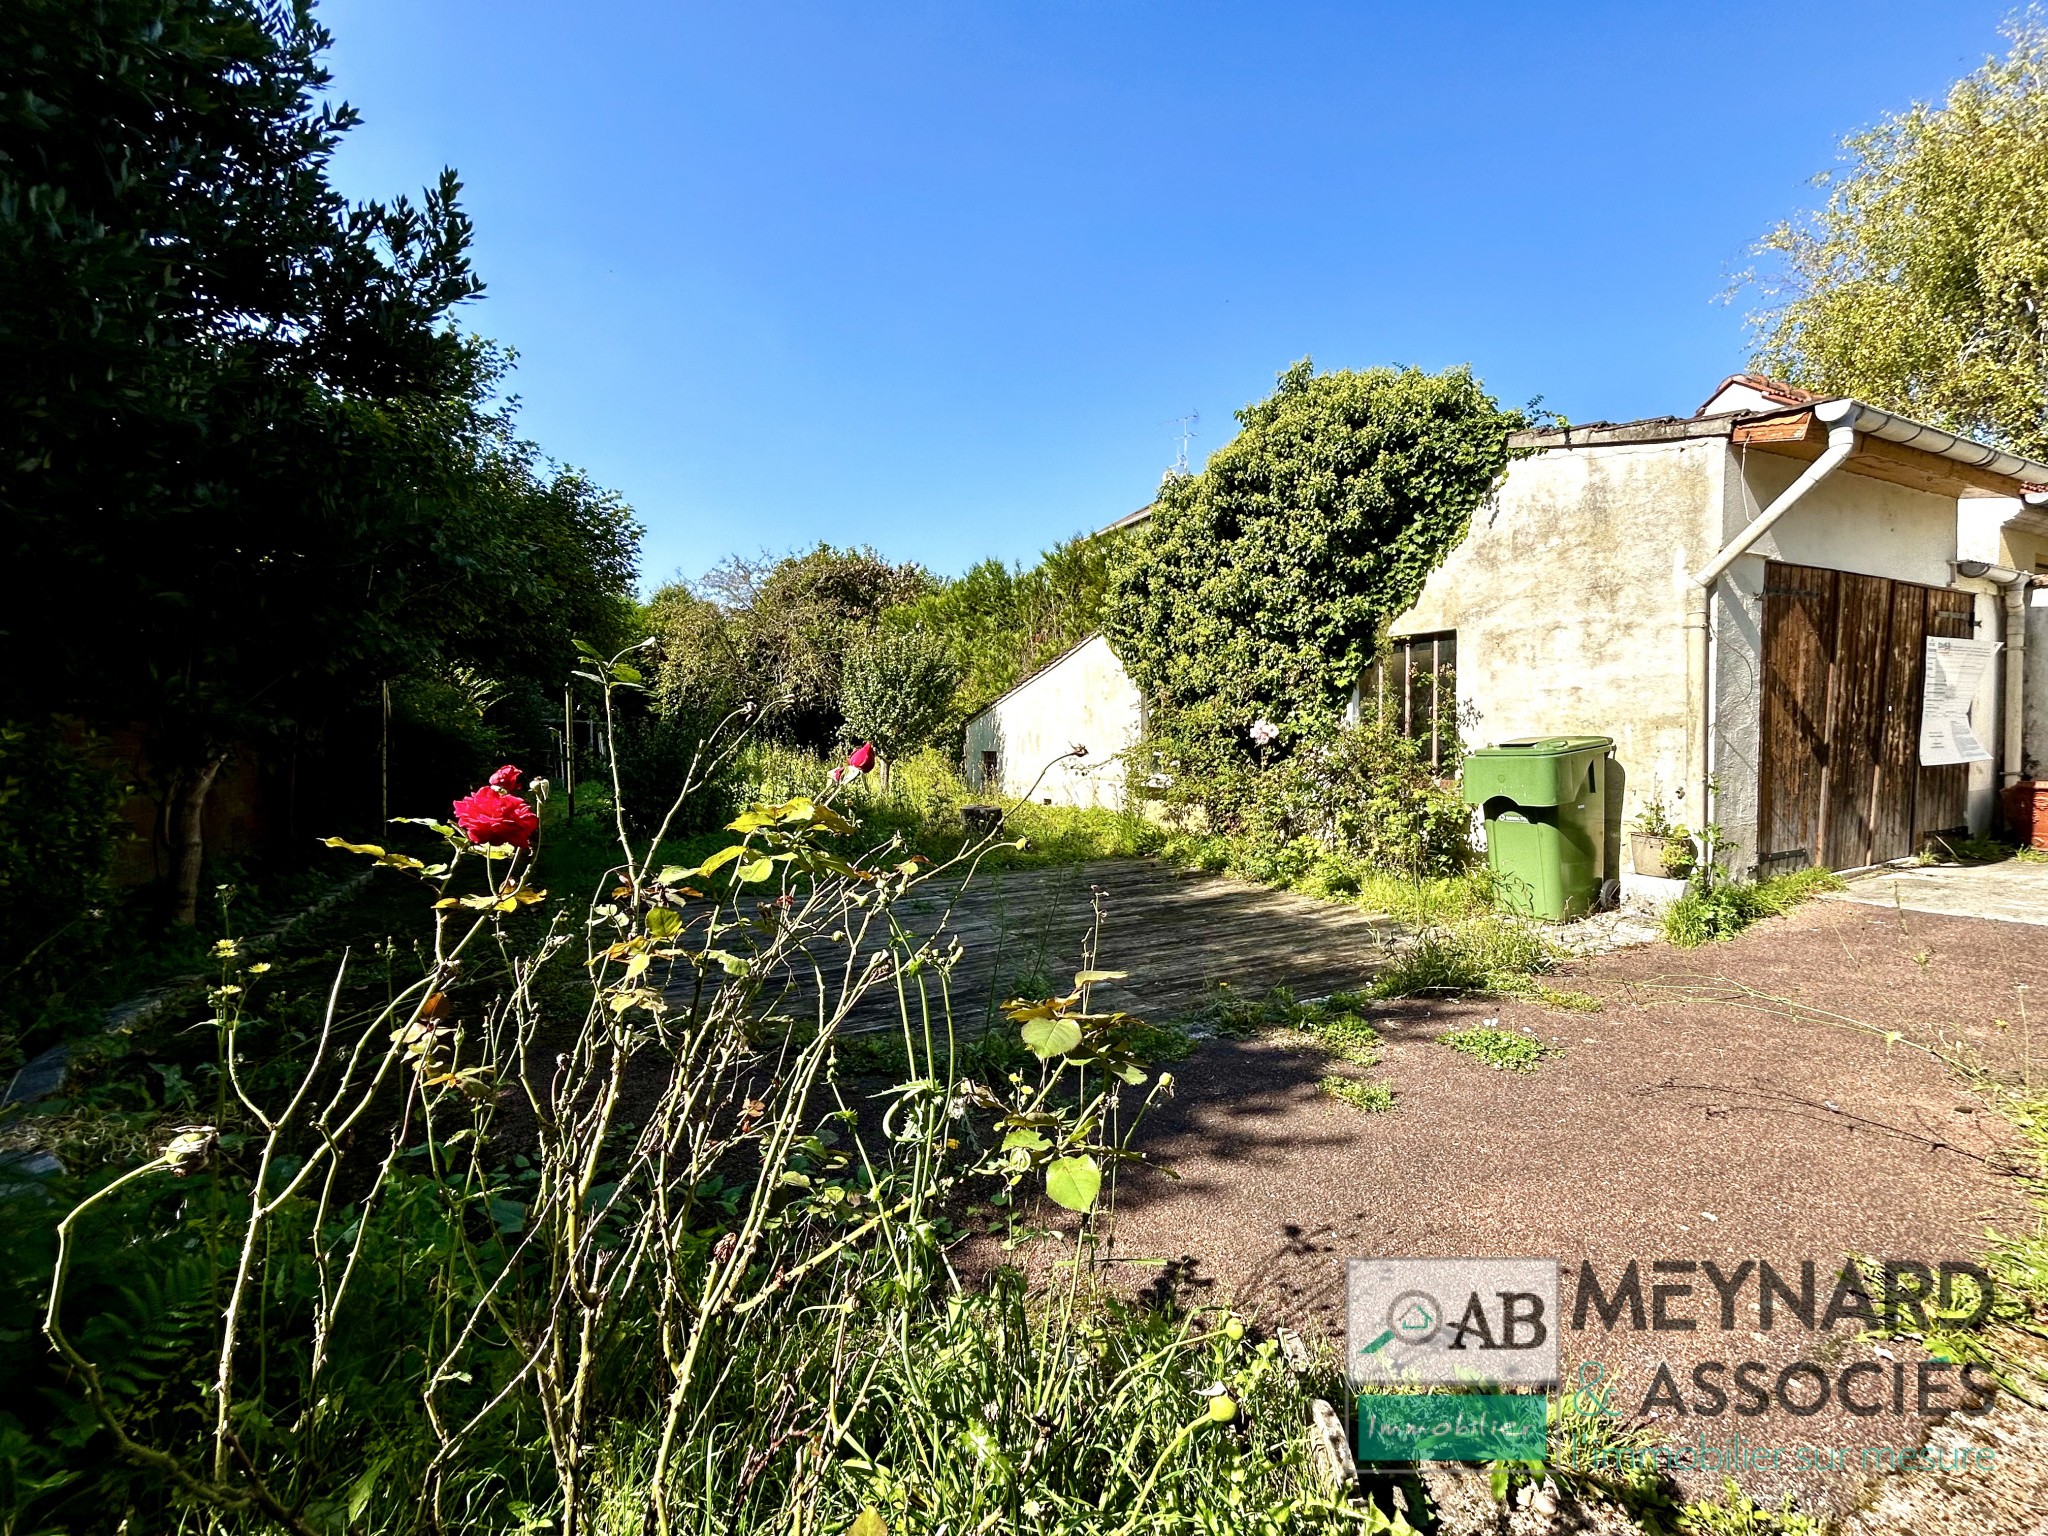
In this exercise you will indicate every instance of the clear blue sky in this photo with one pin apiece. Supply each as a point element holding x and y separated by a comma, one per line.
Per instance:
<point>939,277</point>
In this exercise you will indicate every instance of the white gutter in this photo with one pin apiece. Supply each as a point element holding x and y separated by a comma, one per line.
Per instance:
<point>1872,422</point>
<point>1840,415</point>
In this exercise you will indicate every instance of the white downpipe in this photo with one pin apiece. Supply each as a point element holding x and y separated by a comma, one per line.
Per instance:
<point>1841,443</point>
<point>2013,748</point>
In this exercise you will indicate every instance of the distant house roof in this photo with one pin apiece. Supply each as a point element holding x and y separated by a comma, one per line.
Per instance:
<point>1129,519</point>
<point>1752,391</point>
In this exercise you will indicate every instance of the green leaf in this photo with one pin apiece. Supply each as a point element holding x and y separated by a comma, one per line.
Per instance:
<point>1051,1037</point>
<point>720,859</point>
<point>868,1522</point>
<point>664,923</point>
<point>1074,1182</point>
<point>756,869</point>
<point>1026,1138</point>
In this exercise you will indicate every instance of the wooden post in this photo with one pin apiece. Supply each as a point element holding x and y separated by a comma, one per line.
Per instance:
<point>569,747</point>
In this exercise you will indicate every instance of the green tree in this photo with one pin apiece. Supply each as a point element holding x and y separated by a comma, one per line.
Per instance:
<point>1000,625</point>
<point>244,453</point>
<point>896,691</point>
<point>1260,587</point>
<point>773,631</point>
<point>1922,284</point>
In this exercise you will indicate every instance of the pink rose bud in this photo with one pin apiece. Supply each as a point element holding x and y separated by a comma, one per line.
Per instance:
<point>862,758</point>
<point>506,778</point>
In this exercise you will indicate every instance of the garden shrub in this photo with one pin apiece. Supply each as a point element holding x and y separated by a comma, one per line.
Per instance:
<point>1261,587</point>
<point>1247,607</point>
<point>1723,910</point>
<point>1347,801</point>
<point>57,827</point>
<point>655,753</point>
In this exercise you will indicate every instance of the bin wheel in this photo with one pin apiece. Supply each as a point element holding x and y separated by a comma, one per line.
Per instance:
<point>1610,895</point>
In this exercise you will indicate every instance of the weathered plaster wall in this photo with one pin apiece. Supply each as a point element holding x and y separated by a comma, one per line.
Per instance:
<point>2024,550</point>
<point>1568,602</point>
<point>1850,522</point>
<point>1990,528</point>
<point>1085,697</point>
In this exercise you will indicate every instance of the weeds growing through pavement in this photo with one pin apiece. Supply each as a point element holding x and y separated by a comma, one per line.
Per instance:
<point>1505,1050</point>
<point>1699,917</point>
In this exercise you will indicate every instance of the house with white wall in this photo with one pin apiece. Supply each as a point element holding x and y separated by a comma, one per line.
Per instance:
<point>1022,745</point>
<point>1746,599</point>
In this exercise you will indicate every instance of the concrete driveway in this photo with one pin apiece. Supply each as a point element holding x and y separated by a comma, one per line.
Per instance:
<point>2014,891</point>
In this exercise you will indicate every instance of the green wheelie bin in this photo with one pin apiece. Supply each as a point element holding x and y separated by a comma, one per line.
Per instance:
<point>1544,799</point>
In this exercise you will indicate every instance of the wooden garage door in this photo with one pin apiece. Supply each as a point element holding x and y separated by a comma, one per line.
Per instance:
<point>1844,657</point>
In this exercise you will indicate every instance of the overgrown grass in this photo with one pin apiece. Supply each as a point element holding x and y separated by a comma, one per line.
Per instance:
<point>1700,917</point>
<point>921,799</point>
<point>1493,953</point>
<point>1504,1050</point>
<point>1367,1098</point>
<point>1306,866</point>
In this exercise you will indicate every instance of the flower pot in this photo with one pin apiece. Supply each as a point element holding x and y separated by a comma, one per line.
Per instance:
<point>2026,812</point>
<point>1658,857</point>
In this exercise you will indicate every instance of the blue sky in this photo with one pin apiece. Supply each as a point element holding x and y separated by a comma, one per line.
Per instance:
<point>941,277</point>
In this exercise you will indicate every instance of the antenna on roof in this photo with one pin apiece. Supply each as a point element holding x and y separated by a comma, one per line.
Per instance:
<point>1187,430</point>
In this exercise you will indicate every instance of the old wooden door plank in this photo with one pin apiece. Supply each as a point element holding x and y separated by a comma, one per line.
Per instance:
<point>1856,719</point>
<point>1799,646</point>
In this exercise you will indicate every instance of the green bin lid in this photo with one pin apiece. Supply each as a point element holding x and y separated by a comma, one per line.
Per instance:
<point>1549,746</point>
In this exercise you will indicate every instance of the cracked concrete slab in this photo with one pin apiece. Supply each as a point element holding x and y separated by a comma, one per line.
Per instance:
<point>2012,891</point>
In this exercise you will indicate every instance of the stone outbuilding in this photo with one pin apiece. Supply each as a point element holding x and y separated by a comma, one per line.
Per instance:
<point>1807,615</point>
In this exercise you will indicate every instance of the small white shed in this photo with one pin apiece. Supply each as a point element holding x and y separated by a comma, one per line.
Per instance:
<point>1082,697</point>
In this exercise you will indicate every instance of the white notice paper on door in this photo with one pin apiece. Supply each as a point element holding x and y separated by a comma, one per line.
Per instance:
<point>1954,668</point>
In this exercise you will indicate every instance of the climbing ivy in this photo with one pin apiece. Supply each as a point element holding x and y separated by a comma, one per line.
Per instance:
<point>1260,587</point>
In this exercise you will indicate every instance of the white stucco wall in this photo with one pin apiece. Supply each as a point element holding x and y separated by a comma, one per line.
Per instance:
<point>2002,530</point>
<point>1085,697</point>
<point>1568,601</point>
<point>1850,522</point>
<point>2024,550</point>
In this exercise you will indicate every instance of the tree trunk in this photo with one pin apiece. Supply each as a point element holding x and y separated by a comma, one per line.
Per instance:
<point>188,838</point>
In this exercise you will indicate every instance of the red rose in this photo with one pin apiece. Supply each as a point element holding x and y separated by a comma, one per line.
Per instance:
<point>492,816</point>
<point>862,758</point>
<point>506,778</point>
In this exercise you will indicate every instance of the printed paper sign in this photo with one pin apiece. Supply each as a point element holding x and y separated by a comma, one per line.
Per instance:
<point>1442,1322</point>
<point>1954,668</point>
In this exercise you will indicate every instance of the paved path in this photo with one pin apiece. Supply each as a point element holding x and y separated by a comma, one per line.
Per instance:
<point>1178,933</point>
<point>2012,891</point>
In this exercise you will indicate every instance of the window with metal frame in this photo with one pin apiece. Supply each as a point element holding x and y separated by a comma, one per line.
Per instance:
<point>1414,684</point>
